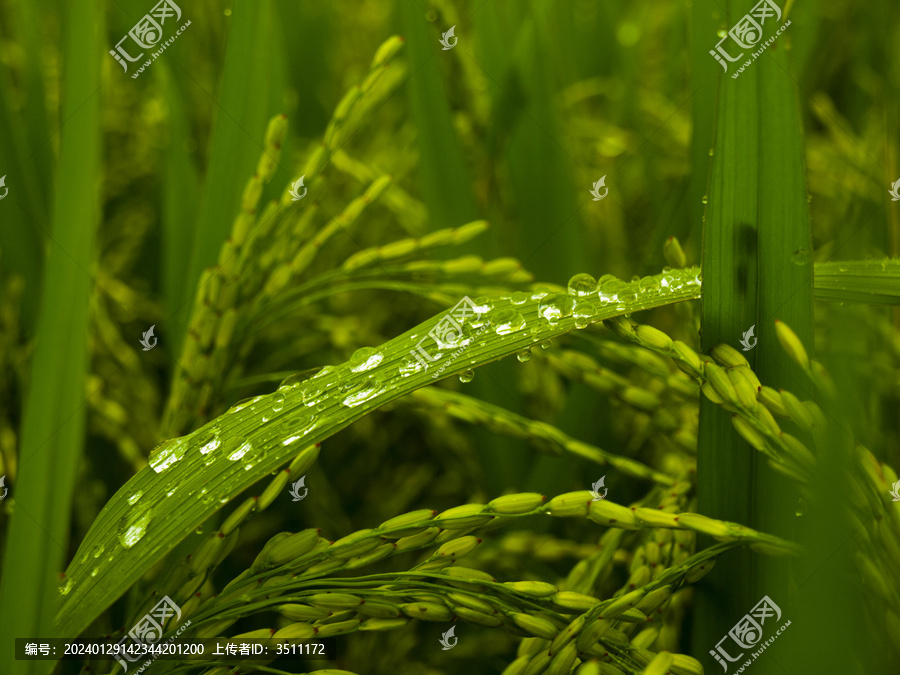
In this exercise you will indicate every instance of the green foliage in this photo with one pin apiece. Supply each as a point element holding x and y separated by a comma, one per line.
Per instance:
<point>288,332</point>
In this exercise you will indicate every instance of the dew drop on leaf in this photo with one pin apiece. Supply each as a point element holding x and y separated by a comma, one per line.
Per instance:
<point>133,526</point>
<point>518,298</point>
<point>508,321</point>
<point>297,427</point>
<point>524,356</point>
<point>360,391</point>
<point>649,285</point>
<point>167,453</point>
<point>277,401</point>
<point>240,452</point>
<point>410,367</point>
<point>582,285</point>
<point>133,498</point>
<point>364,358</point>
<point>801,257</point>
<point>583,313</point>
<point>556,306</point>
<point>209,440</point>
<point>466,376</point>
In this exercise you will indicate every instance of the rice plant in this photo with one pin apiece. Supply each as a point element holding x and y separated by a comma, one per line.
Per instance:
<point>448,336</point>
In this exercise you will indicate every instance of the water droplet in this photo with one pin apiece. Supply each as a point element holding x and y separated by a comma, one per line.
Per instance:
<point>705,199</point>
<point>95,571</point>
<point>294,381</point>
<point>361,390</point>
<point>244,403</point>
<point>583,313</point>
<point>518,298</point>
<point>648,285</point>
<point>133,498</point>
<point>66,587</point>
<point>199,530</point>
<point>582,285</point>
<point>711,152</point>
<point>167,453</point>
<point>172,491</point>
<point>610,289</point>
<point>556,306</point>
<point>508,321</point>
<point>325,370</point>
<point>209,440</point>
<point>546,344</point>
<point>240,452</point>
<point>297,427</point>
<point>133,526</point>
<point>410,367</point>
<point>321,405</point>
<point>364,358</point>
<point>277,401</point>
<point>466,376</point>
<point>98,550</point>
<point>524,356</point>
<point>801,257</point>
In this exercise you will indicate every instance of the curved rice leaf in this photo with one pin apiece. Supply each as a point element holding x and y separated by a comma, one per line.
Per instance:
<point>191,477</point>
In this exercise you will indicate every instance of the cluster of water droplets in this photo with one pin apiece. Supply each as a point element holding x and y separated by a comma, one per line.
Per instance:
<point>585,296</point>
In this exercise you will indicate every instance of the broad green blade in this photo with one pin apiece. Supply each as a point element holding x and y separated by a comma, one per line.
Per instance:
<point>785,292</point>
<point>26,153</point>
<point>181,193</point>
<point>867,281</point>
<point>444,176</point>
<point>184,485</point>
<point>728,309</point>
<point>54,417</point>
<point>243,108</point>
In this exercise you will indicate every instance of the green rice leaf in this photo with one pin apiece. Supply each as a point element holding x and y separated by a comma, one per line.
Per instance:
<point>54,417</point>
<point>244,106</point>
<point>189,478</point>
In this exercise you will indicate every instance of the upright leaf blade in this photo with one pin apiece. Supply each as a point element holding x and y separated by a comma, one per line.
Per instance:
<point>54,420</point>
<point>243,109</point>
